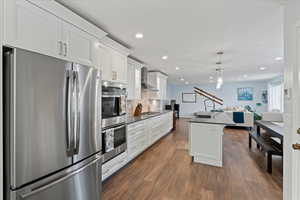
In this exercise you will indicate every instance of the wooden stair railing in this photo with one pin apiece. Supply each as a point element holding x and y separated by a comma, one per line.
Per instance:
<point>209,96</point>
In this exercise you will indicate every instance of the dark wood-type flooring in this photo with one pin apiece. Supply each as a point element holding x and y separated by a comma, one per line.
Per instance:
<point>165,172</point>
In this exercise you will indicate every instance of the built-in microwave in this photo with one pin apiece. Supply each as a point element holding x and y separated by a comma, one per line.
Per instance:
<point>113,104</point>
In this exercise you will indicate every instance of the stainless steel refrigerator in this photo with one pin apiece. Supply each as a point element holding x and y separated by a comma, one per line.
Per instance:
<point>52,128</point>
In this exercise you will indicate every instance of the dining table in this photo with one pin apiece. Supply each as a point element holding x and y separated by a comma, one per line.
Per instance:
<point>273,129</point>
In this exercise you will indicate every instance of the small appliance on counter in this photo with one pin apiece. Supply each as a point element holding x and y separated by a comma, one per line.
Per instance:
<point>113,119</point>
<point>138,110</point>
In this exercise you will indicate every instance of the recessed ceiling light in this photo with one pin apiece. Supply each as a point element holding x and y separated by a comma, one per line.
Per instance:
<point>182,79</point>
<point>164,57</point>
<point>262,68</point>
<point>245,76</point>
<point>279,58</point>
<point>97,44</point>
<point>211,77</point>
<point>186,82</point>
<point>177,68</point>
<point>139,35</point>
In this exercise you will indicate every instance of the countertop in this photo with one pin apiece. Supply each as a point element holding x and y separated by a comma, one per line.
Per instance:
<point>216,118</point>
<point>132,119</point>
<point>212,121</point>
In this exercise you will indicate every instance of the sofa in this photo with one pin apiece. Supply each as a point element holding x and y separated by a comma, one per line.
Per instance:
<point>248,119</point>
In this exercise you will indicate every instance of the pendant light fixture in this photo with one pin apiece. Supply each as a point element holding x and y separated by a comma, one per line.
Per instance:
<point>219,71</point>
<point>219,78</point>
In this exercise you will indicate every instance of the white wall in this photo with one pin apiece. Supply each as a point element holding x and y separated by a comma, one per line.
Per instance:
<point>228,93</point>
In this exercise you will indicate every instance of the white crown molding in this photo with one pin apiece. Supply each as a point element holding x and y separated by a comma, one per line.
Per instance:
<point>134,62</point>
<point>281,2</point>
<point>115,45</point>
<point>67,15</point>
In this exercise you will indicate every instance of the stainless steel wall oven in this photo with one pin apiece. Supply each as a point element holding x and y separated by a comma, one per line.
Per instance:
<point>113,142</point>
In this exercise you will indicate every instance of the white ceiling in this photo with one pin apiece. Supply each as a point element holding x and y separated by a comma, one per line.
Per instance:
<point>250,32</point>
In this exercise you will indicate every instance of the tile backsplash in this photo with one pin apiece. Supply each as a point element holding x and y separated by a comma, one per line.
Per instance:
<point>149,105</point>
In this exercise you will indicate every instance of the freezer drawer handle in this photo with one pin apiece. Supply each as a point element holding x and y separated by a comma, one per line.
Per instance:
<point>44,187</point>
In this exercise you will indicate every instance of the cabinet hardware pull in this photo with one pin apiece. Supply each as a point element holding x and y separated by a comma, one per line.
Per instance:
<point>60,44</point>
<point>296,146</point>
<point>66,49</point>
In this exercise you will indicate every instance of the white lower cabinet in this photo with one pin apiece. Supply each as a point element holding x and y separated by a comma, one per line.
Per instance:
<point>136,138</point>
<point>114,165</point>
<point>140,136</point>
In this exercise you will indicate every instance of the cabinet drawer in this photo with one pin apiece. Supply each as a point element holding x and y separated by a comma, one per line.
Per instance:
<point>133,133</point>
<point>134,150</point>
<point>110,164</point>
<point>135,140</point>
<point>134,126</point>
<point>114,165</point>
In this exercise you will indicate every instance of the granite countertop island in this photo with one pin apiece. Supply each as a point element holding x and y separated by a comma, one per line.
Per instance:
<point>144,116</point>
<point>213,118</point>
<point>226,122</point>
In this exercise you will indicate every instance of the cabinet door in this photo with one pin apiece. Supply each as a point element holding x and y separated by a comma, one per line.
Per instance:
<point>138,82</point>
<point>163,88</point>
<point>29,27</point>
<point>130,81</point>
<point>153,80</point>
<point>105,58</point>
<point>78,45</point>
<point>119,67</point>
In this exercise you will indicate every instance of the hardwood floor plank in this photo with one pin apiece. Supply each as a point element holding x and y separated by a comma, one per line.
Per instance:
<point>165,172</point>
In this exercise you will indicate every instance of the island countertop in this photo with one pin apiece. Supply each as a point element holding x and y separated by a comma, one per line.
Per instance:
<point>220,121</point>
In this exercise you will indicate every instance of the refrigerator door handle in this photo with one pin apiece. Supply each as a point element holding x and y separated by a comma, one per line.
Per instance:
<point>77,112</point>
<point>68,112</point>
<point>59,180</point>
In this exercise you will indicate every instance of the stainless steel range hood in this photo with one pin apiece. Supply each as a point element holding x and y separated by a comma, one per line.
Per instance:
<point>145,81</point>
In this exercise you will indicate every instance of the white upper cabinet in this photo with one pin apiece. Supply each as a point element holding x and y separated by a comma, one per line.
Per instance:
<point>163,87</point>
<point>134,79</point>
<point>158,80</point>
<point>118,67</point>
<point>138,82</point>
<point>77,44</point>
<point>112,63</point>
<point>130,81</point>
<point>102,59</point>
<point>29,27</point>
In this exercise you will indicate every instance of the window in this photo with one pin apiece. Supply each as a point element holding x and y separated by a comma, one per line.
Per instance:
<point>275,97</point>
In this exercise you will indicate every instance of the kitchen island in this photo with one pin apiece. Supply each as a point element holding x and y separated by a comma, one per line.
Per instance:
<point>206,139</point>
